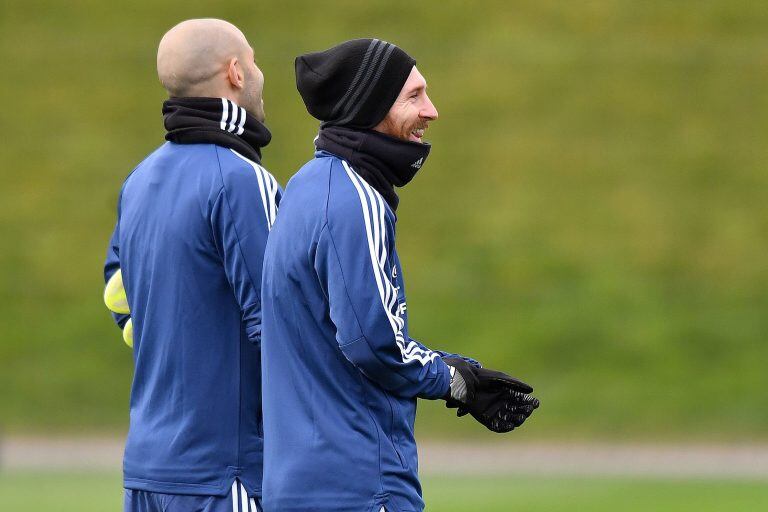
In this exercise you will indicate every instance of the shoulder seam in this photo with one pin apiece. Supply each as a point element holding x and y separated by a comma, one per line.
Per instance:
<point>328,195</point>
<point>234,227</point>
<point>268,187</point>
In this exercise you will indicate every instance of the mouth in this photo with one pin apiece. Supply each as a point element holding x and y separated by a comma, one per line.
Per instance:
<point>417,134</point>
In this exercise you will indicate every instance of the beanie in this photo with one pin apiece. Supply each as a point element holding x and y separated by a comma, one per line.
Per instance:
<point>353,84</point>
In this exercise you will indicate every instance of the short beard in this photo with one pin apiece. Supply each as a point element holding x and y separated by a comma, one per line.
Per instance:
<point>251,101</point>
<point>406,135</point>
<point>256,108</point>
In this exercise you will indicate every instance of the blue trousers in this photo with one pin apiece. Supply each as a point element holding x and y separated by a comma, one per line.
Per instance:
<point>237,500</point>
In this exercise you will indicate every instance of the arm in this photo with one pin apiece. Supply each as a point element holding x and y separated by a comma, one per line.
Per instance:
<point>354,269</point>
<point>112,265</point>
<point>444,355</point>
<point>241,217</point>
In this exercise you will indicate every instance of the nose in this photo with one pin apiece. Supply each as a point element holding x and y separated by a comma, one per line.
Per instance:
<point>428,111</point>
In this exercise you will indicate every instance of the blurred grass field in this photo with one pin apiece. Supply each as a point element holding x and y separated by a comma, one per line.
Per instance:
<point>592,217</point>
<point>86,492</point>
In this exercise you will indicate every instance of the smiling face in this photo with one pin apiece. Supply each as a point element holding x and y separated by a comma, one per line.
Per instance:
<point>411,112</point>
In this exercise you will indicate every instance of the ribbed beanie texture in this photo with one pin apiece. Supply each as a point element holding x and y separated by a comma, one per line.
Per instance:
<point>353,84</point>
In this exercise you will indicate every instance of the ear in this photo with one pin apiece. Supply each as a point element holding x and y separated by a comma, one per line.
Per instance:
<point>235,73</point>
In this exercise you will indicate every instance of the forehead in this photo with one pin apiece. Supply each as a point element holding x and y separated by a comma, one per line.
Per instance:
<point>415,81</point>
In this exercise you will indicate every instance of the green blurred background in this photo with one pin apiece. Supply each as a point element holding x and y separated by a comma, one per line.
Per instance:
<point>592,218</point>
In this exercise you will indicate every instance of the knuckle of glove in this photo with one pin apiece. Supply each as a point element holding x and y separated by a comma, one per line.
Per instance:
<point>523,399</point>
<point>508,417</point>
<point>501,427</point>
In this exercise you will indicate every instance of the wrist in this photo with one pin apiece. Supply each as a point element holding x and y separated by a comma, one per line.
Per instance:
<point>458,388</point>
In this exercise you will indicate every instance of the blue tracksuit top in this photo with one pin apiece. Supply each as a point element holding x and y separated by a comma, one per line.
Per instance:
<point>340,373</point>
<point>190,236</point>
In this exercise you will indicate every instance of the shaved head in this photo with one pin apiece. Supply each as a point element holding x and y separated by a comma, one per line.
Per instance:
<point>210,58</point>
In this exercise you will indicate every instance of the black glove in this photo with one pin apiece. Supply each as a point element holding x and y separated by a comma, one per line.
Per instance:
<point>495,399</point>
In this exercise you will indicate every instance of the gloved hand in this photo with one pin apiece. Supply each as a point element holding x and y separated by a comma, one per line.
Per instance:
<point>497,400</point>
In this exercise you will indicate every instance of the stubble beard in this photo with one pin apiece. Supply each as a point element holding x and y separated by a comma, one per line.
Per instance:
<point>252,101</point>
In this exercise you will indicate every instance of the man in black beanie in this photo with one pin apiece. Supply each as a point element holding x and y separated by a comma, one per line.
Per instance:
<point>374,109</point>
<point>341,372</point>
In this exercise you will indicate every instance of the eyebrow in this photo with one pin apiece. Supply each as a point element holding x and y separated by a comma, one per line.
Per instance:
<point>418,88</point>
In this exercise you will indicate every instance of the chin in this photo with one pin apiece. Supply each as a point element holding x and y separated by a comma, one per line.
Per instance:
<point>258,114</point>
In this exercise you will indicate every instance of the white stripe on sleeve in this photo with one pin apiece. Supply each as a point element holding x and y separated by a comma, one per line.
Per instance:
<point>375,230</point>
<point>366,218</point>
<point>267,189</point>
<point>413,351</point>
<point>271,183</point>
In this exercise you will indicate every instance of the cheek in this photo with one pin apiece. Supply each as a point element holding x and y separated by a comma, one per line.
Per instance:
<point>408,120</point>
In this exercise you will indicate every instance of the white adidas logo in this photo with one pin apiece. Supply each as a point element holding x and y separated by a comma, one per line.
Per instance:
<point>417,163</point>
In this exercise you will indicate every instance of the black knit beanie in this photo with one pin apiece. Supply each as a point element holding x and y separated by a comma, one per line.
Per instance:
<point>353,84</point>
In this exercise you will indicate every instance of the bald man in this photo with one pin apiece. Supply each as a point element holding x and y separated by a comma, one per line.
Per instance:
<point>192,223</point>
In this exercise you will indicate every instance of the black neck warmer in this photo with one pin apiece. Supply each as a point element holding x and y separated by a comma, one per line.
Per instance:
<point>384,162</point>
<point>214,121</point>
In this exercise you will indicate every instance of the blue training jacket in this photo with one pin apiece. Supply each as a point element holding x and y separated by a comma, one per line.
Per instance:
<point>190,236</point>
<point>340,373</point>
